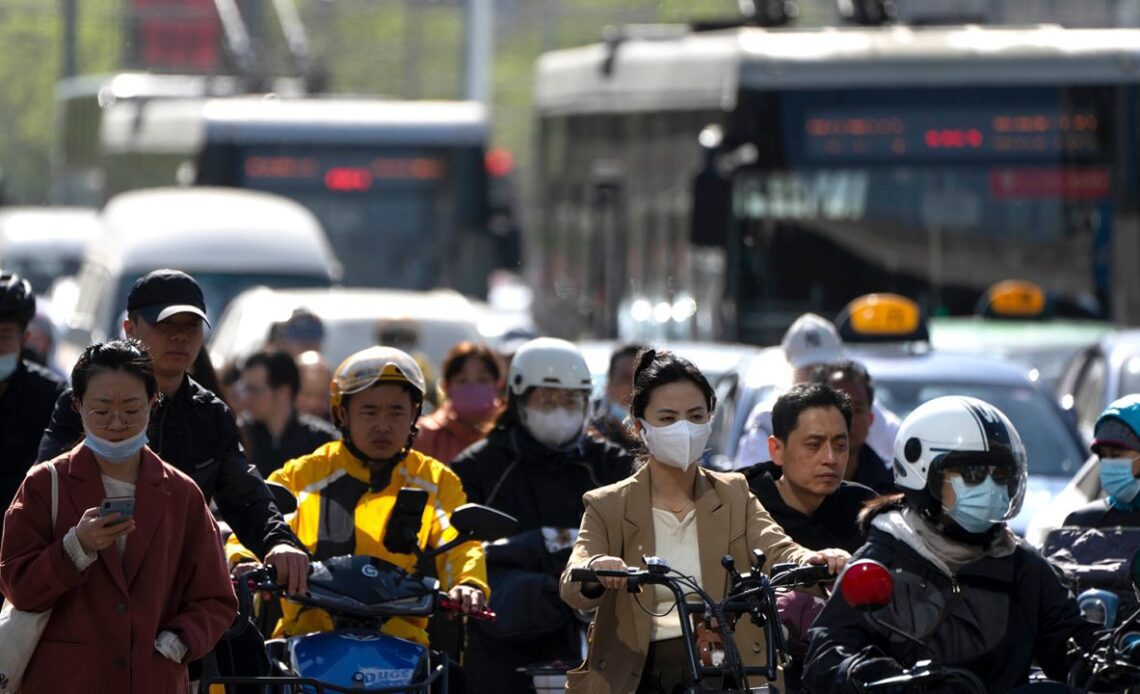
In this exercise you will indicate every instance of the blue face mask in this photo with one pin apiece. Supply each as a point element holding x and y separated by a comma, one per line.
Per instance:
<point>979,507</point>
<point>115,452</point>
<point>615,410</point>
<point>8,364</point>
<point>1117,480</point>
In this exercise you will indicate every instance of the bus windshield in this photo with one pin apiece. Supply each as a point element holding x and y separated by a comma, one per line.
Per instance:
<point>929,193</point>
<point>389,213</point>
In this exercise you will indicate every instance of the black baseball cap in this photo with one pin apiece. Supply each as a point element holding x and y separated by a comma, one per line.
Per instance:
<point>161,294</point>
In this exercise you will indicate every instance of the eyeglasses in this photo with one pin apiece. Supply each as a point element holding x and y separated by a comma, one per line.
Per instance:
<point>974,475</point>
<point>551,399</point>
<point>103,419</point>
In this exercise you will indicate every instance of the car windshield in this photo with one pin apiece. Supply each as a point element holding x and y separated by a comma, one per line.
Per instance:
<point>1051,451</point>
<point>433,338</point>
<point>42,269</point>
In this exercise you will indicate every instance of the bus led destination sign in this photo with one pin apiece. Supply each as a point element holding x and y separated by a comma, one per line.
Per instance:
<point>965,133</point>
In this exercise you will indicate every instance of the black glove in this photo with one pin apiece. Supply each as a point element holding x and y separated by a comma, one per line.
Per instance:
<point>871,669</point>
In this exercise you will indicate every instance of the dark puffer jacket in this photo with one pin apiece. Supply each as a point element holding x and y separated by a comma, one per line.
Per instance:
<point>542,488</point>
<point>995,617</point>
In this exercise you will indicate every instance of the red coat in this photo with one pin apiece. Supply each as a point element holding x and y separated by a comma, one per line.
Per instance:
<point>105,619</point>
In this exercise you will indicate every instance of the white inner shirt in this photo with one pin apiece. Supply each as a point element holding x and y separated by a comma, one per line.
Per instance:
<point>676,541</point>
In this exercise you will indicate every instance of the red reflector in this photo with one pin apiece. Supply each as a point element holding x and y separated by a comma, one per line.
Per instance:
<point>499,162</point>
<point>348,179</point>
<point>866,584</point>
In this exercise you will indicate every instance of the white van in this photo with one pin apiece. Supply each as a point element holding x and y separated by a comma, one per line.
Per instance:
<point>44,244</point>
<point>352,319</point>
<point>228,239</point>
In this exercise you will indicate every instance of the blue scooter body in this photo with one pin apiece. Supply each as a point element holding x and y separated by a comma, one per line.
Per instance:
<point>358,659</point>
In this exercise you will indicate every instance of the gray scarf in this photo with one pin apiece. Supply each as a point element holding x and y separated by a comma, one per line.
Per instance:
<point>948,555</point>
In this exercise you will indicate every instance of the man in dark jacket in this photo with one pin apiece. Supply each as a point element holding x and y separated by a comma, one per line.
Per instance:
<point>191,428</point>
<point>803,486</point>
<point>535,465</point>
<point>273,429</point>
<point>1116,443</point>
<point>27,391</point>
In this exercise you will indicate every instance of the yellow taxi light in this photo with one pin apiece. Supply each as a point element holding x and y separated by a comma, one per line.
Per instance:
<point>884,314</point>
<point>1016,298</point>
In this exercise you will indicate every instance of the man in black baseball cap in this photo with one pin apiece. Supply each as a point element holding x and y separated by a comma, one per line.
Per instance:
<point>191,428</point>
<point>164,293</point>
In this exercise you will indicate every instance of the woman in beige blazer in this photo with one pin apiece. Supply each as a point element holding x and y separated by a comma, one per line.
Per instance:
<point>675,509</point>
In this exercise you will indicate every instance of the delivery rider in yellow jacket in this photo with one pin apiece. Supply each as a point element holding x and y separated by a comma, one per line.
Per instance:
<point>346,489</point>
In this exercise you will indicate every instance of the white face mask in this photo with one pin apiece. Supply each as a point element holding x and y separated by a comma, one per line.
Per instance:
<point>8,364</point>
<point>680,444</point>
<point>555,428</point>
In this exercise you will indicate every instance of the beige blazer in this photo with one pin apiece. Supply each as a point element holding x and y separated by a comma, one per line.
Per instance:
<point>619,522</point>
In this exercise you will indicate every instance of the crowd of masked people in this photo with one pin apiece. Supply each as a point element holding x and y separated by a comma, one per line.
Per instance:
<point>139,597</point>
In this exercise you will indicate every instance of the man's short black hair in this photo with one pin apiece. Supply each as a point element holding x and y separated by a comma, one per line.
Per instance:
<point>628,350</point>
<point>845,370</point>
<point>280,369</point>
<point>786,411</point>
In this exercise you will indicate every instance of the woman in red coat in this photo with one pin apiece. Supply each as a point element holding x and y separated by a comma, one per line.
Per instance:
<point>471,385</point>
<point>133,599</point>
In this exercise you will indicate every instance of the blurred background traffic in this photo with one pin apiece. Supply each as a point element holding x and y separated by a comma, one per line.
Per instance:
<point>953,184</point>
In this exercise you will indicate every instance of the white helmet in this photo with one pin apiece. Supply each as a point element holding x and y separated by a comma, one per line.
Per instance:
<point>548,362</point>
<point>957,431</point>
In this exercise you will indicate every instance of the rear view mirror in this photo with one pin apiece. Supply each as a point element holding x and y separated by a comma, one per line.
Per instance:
<point>286,502</point>
<point>402,532</point>
<point>475,522</point>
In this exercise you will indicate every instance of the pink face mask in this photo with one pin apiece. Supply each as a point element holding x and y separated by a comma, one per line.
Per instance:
<point>474,401</point>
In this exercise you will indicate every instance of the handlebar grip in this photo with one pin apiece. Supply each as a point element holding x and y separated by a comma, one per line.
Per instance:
<point>592,575</point>
<point>583,576</point>
<point>449,605</point>
<point>803,576</point>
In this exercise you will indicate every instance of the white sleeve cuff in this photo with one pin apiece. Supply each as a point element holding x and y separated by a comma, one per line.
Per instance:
<point>170,646</point>
<point>75,551</point>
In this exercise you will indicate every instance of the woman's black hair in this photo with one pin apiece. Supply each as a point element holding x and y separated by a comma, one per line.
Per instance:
<point>653,369</point>
<point>129,356</point>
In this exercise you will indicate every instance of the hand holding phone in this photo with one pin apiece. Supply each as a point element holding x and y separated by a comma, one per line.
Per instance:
<point>100,527</point>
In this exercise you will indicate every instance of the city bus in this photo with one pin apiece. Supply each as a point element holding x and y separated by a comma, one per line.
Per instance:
<point>400,187</point>
<point>76,171</point>
<point>715,185</point>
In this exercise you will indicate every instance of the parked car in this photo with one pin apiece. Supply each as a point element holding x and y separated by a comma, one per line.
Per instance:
<point>351,319</point>
<point>43,244</point>
<point>1098,375</point>
<point>229,240</point>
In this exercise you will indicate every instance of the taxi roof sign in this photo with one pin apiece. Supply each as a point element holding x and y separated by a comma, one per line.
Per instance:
<point>1016,299</point>
<point>882,317</point>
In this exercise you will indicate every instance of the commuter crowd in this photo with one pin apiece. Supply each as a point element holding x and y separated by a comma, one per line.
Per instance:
<point>137,489</point>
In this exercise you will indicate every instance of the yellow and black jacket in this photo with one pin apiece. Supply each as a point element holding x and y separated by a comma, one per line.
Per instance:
<point>337,514</point>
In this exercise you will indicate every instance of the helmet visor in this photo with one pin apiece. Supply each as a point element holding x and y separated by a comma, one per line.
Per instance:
<point>992,469</point>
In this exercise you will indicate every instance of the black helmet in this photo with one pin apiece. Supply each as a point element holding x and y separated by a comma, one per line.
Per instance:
<point>17,302</point>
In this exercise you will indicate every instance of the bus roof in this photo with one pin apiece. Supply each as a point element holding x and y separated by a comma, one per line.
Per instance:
<point>111,87</point>
<point>184,124</point>
<point>210,229</point>
<point>706,70</point>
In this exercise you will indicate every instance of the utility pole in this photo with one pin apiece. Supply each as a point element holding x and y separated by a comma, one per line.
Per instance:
<point>480,26</point>
<point>70,10</point>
